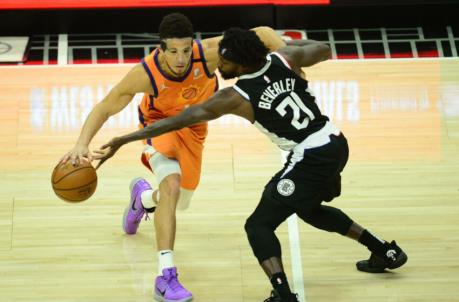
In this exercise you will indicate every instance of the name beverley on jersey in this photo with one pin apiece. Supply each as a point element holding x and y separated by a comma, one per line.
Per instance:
<point>274,90</point>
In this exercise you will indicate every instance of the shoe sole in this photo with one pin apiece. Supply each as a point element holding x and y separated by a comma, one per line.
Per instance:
<point>126,210</point>
<point>401,260</point>
<point>162,299</point>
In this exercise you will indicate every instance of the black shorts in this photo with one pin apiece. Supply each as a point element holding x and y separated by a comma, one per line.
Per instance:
<point>311,176</point>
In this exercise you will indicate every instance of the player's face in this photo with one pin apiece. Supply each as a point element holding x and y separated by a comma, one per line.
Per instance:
<point>228,69</point>
<point>178,54</point>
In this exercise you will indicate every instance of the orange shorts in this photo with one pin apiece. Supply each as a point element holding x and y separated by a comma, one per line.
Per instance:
<point>185,146</point>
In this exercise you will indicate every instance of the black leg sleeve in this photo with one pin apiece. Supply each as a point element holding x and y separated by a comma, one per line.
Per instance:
<point>327,218</point>
<point>260,226</point>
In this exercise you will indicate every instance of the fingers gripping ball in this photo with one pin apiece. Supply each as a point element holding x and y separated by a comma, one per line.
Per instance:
<point>74,183</point>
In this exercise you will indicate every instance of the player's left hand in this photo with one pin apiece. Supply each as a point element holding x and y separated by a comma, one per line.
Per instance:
<point>107,151</point>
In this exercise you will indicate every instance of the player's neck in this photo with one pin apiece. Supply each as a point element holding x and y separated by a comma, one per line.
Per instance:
<point>250,70</point>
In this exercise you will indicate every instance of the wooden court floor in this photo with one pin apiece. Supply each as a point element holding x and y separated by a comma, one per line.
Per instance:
<point>402,182</point>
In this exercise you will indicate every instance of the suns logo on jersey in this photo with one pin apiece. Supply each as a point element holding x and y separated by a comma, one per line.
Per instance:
<point>190,92</point>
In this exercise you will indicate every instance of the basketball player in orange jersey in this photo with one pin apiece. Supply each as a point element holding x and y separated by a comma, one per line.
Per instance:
<point>178,74</point>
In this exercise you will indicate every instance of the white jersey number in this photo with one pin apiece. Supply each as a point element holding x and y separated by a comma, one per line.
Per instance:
<point>293,101</point>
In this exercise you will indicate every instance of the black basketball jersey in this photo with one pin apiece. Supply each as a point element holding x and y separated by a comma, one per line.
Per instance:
<point>285,109</point>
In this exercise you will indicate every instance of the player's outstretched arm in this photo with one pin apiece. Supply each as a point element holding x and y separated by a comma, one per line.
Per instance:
<point>310,53</point>
<point>301,42</point>
<point>267,35</point>
<point>225,101</point>
<point>270,38</point>
<point>136,80</point>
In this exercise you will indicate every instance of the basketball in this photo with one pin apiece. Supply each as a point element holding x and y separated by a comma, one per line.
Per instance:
<point>74,183</point>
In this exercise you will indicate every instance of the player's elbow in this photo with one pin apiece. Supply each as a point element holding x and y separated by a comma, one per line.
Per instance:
<point>114,102</point>
<point>101,112</point>
<point>314,54</point>
<point>190,116</point>
<point>206,116</point>
<point>324,51</point>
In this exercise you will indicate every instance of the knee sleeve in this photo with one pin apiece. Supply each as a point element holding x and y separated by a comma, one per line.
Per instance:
<point>328,219</point>
<point>161,165</point>
<point>260,226</point>
<point>262,239</point>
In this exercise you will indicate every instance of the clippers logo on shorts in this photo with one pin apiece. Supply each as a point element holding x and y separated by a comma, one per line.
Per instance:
<point>285,187</point>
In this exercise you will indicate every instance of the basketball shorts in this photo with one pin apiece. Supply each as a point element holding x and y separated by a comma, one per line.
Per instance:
<point>311,176</point>
<point>185,146</point>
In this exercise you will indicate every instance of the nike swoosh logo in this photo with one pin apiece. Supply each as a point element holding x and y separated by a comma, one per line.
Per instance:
<point>161,292</point>
<point>133,203</point>
<point>164,253</point>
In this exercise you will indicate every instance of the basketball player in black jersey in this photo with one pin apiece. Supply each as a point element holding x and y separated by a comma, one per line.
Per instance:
<point>272,95</point>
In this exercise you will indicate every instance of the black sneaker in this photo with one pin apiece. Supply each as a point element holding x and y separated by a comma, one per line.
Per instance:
<point>276,298</point>
<point>394,257</point>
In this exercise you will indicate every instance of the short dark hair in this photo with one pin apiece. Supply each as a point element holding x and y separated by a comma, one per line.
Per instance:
<point>243,47</point>
<point>175,25</point>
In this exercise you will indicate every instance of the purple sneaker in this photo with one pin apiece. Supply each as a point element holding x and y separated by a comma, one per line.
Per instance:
<point>135,211</point>
<point>169,289</point>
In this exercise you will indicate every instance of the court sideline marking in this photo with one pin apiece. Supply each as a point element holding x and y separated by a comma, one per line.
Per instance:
<point>295,251</point>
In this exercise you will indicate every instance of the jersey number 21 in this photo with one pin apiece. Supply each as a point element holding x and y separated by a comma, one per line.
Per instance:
<point>294,102</point>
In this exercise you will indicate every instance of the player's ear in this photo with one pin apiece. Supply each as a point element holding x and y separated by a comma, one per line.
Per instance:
<point>162,45</point>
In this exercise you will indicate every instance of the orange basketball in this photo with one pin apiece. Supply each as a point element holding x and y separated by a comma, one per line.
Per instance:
<point>74,183</point>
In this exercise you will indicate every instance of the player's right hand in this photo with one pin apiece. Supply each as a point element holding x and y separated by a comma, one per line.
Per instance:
<point>77,154</point>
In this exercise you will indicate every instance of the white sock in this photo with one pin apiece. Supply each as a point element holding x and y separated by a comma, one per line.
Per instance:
<point>165,260</point>
<point>147,199</point>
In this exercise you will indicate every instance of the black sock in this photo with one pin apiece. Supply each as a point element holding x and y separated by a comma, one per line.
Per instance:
<point>374,244</point>
<point>280,284</point>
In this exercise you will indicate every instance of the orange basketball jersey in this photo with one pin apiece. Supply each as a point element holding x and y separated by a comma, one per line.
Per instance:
<point>172,95</point>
